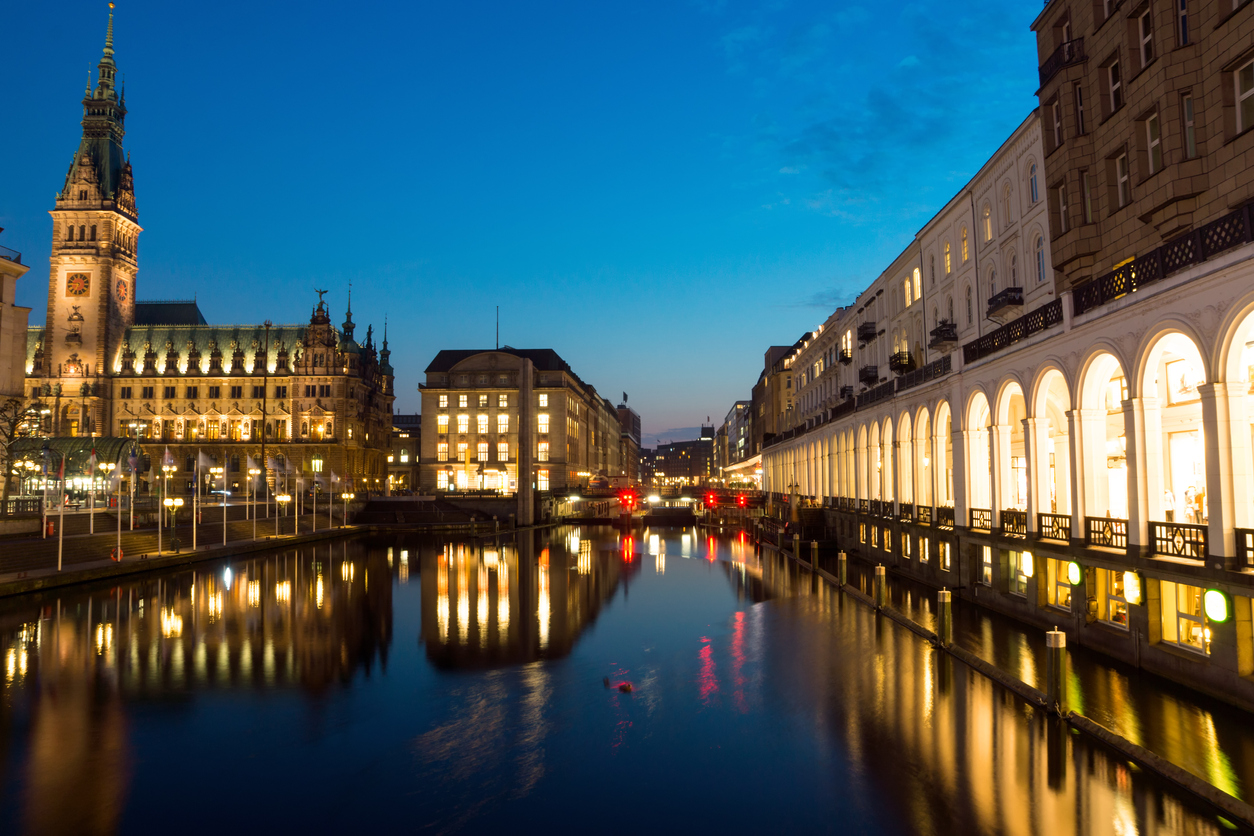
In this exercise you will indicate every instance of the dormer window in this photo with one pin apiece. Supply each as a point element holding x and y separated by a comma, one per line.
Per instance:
<point>82,194</point>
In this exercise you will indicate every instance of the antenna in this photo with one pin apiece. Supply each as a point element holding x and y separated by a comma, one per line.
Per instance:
<point>498,326</point>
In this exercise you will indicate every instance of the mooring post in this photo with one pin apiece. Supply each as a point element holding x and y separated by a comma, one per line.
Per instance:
<point>945,618</point>
<point>796,547</point>
<point>814,555</point>
<point>1056,670</point>
<point>841,572</point>
<point>881,587</point>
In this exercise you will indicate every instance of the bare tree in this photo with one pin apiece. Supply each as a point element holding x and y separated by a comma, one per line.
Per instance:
<point>15,421</point>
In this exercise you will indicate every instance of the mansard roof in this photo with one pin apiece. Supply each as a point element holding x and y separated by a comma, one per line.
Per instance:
<point>544,359</point>
<point>172,312</point>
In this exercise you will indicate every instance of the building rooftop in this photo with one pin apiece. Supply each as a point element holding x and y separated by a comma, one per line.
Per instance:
<point>544,359</point>
<point>172,312</point>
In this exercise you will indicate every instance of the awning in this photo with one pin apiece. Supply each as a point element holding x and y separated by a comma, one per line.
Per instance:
<point>75,450</point>
<point>750,465</point>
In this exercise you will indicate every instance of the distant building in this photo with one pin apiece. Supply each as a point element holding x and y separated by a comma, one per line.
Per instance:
<point>648,464</point>
<point>629,443</point>
<point>686,462</point>
<point>403,459</point>
<point>12,325</point>
<point>479,399</point>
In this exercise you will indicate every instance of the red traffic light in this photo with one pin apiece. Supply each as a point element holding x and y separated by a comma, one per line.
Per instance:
<point>711,500</point>
<point>742,501</point>
<point>627,499</point>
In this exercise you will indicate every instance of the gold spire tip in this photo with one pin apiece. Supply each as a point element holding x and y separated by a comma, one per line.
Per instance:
<point>110,5</point>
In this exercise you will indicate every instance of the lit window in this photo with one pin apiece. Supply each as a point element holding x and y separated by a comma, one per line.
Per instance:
<point>1145,26</point>
<point>942,548</point>
<point>462,447</point>
<point>544,400</point>
<point>404,457</point>
<point>1153,143</point>
<point>1190,133</point>
<point>483,401</point>
<point>443,401</point>
<point>482,423</point>
<point>481,451</point>
<point>966,253</point>
<point>441,478</point>
<point>1183,621</point>
<point>463,401</point>
<point>542,480</point>
<point>502,401</point>
<point>543,453</point>
<point>543,422</point>
<point>463,423</point>
<point>390,458</point>
<point>1245,97</point>
<point>1020,571</point>
<point>441,451</point>
<point>1057,584</point>
<point>907,293</point>
<point>441,424</point>
<point>1120,588</point>
<point>502,423</point>
<point>502,451</point>
<point>924,550</point>
<point>986,567</point>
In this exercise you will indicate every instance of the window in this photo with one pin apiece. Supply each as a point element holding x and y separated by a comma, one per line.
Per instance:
<point>942,548</point>
<point>462,447</point>
<point>482,423</point>
<point>1121,179</point>
<point>1120,589</point>
<point>483,401</point>
<point>502,423</point>
<point>1153,144</point>
<point>441,451</point>
<point>214,429</point>
<point>1005,204</point>
<point>463,401</point>
<point>124,392</point>
<point>1014,271</point>
<point>404,456</point>
<point>1086,196</point>
<point>970,319</point>
<point>1114,85</point>
<point>544,400</point>
<point>443,401</point>
<point>463,423</point>
<point>1055,111</point>
<point>542,454</point>
<point>966,252</point>
<point>280,391</point>
<point>1032,183</point>
<point>215,391</point>
<point>932,260</point>
<point>1145,33</point>
<point>918,284</point>
<point>502,451</point>
<point>1245,97</point>
<point>441,480</point>
<point>986,566</point>
<point>192,392</point>
<point>542,480</point>
<point>441,424</point>
<point>259,392</point>
<point>1057,584</point>
<point>949,266</point>
<point>1062,208</point>
<point>543,422</point>
<point>1079,109</point>
<point>906,291</point>
<point>1040,259</point>
<point>310,389</point>
<point>988,223</point>
<point>1020,570</point>
<point>992,281</point>
<point>950,300</point>
<point>237,392</point>
<point>93,232</point>
<point>1190,132</point>
<point>1182,618</point>
<point>1182,18</point>
<point>82,232</point>
<point>146,392</point>
<point>167,392</point>
<point>502,401</point>
<point>324,390</point>
<point>481,451</point>
<point>924,550</point>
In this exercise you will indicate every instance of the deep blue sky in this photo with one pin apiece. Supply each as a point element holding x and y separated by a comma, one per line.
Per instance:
<point>657,190</point>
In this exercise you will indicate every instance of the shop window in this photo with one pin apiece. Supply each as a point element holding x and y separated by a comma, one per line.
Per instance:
<point>942,549</point>
<point>1184,623</point>
<point>1057,586</point>
<point>986,565</point>
<point>542,480</point>
<point>1119,589</point>
<point>905,546</point>
<point>1020,571</point>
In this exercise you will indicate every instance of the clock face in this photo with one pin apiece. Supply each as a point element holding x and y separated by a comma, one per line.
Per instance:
<point>121,290</point>
<point>77,284</point>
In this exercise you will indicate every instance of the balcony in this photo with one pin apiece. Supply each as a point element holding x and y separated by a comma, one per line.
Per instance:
<point>846,392</point>
<point>1054,527</point>
<point>982,519</point>
<point>1014,523</point>
<point>866,332</point>
<point>1179,539</point>
<point>1006,305</point>
<point>944,335</point>
<point>1106,531</point>
<point>1068,53</point>
<point>1046,316</point>
<point>10,255</point>
<point>870,375</point>
<point>845,357</point>
<point>901,362</point>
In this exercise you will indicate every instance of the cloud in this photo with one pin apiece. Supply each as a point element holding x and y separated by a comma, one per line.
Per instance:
<point>910,62</point>
<point>790,169</point>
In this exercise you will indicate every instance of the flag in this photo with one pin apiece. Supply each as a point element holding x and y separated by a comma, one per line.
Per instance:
<point>168,458</point>
<point>271,463</point>
<point>61,470</point>
<point>203,461</point>
<point>251,463</point>
<point>133,461</point>
<point>115,477</point>
<point>91,462</point>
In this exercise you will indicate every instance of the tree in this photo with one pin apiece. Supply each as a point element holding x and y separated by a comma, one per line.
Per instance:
<point>16,418</point>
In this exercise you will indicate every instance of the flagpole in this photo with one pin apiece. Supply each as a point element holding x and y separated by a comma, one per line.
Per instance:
<point>196,501</point>
<point>61,524</point>
<point>160,505</point>
<point>119,471</point>
<point>92,475</point>
<point>44,533</point>
<point>224,469</point>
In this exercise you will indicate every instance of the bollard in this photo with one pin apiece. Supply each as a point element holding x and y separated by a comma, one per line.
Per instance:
<point>945,618</point>
<point>881,587</point>
<point>814,554</point>
<point>796,547</point>
<point>841,571</point>
<point>1056,669</point>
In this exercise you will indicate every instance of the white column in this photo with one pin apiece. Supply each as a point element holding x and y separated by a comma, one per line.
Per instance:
<point>1088,467</point>
<point>1143,432</point>
<point>999,468</point>
<point>1037,447</point>
<point>962,501</point>
<point>1217,435</point>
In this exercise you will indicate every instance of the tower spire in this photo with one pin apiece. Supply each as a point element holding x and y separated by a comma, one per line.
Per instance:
<point>348,325</point>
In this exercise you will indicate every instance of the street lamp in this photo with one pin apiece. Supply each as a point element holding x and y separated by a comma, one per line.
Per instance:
<point>173,504</point>
<point>283,499</point>
<point>317,471</point>
<point>221,471</point>
<point>252,474</point>
<point>136,426</point>
<point>346,497</point>
<point>108,467</point>
<point>166,470</point>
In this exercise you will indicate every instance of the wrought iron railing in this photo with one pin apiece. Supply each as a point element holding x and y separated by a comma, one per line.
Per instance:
<point>982,518</point>
<point>923,514</point>
<point>1046,316</point>
<point>845,356</point>
<point>1068,53</point>
<point>1014,523</point>
<point>846,392</point>
<point>1054,527</point>
<point>866,332</point>
<point>869,375</point>
<point>877,508</point>
<point>1206,242</point>
<point>945,517</point>
<point>944,333</point>
<point>901,362</point>
<point>1011,297</point>
<point>20,507</point>
<point>864,506</point>
<point>1179,539</point>
<point>1106,531</point>
<point>932,371</point>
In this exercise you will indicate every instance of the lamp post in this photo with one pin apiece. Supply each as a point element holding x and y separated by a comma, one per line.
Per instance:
<point>166,470</point>
<point>265,423</point>
<point>252,475</point>
<point>216,472</point>
<point>108,467</point>
<point>283,499</point>
<point>346,497</point>
<point>317,470</point>
<point>173,504</point>
<point>793,514</point>
<point>136,426</point>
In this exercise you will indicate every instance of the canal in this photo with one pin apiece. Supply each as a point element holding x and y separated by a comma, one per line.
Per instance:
<point>459,686</point>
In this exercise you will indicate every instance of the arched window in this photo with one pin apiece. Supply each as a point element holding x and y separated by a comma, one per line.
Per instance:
<point>970,318</point>
<point>69,232</point>
<point>935,316</point>
<point>992,281</point>
<point>949,265</point>
<point>82,232</point>
<point>906,291</point>
<point>988,223</point>
<point>1014,271</point>
<point>966,251</point>
<point>1005,202</point>
<point>1040,259</point>
<point>933,259</point>
<point>1032,183</point>
<point>918,294</point>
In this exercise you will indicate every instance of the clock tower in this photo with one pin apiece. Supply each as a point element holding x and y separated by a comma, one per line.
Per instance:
<point>95,236</point>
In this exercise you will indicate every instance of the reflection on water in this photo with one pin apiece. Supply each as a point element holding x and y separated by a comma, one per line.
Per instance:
<point>760,701</point>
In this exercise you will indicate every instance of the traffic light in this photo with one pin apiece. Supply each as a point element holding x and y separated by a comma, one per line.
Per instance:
<point>742,501</point>
<point>711,500</point>
<point>628,500</point>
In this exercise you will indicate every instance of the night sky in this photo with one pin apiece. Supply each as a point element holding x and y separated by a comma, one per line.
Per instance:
<point>656,190</point>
